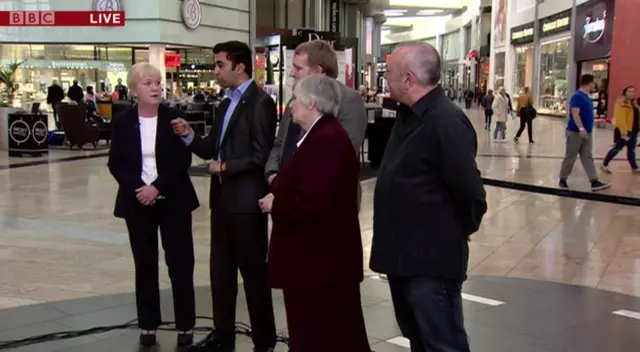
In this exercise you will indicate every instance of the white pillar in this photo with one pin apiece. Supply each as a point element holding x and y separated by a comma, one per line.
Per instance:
<point>156,58</point>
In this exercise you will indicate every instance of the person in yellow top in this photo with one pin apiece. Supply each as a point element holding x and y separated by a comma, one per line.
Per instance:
<point>625,120</point>
<point>527,113</point>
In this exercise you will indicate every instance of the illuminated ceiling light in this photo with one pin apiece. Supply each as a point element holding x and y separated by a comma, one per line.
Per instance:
<point>428,12</point>
<point>394,14</point>
<point>443,4</point>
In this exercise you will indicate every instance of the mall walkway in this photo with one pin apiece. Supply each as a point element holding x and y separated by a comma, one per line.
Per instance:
<point>59,241</point>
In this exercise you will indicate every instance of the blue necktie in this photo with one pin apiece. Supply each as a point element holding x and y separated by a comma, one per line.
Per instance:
<point>290,143</point>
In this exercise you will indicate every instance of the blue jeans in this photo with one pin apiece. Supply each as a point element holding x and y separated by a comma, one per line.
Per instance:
<point>630,143</point>
<point>429,313</point>
<point>501,128</point>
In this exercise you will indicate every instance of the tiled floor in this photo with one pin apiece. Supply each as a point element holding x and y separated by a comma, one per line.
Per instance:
<point>59,241</point>
<point>523,316</point>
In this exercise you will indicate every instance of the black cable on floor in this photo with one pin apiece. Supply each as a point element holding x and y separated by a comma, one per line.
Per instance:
<point>241,329</point>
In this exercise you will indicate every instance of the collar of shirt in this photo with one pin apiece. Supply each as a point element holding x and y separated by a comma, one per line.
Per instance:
<point>235,94</point>
<point>423,105</point>
<point>307,132</point>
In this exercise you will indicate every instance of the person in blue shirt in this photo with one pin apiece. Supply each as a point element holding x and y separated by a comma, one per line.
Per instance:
<point>579,136</point>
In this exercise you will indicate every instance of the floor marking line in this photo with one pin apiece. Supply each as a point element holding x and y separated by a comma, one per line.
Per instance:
<point>482,300</point>
<point>627,313</point>
<point>400,341</point>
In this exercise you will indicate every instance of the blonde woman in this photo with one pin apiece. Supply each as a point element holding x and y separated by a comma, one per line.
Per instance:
<point>527,113</point>
<point>500,109</point>
<point>150,164</point>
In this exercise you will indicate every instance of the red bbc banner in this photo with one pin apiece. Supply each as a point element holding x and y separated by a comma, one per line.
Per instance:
<point>62,18</point>
<point>171,60</point>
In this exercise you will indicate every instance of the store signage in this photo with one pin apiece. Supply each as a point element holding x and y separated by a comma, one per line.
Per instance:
<point>594,28</point>
<point>560,22</point>
<point>307,35</point>
<point>522,34</point>
<point>191,12</point>
<point>334,19</point>
<point>107,5</point>
<point>593,33</point>
<point>172,60</point>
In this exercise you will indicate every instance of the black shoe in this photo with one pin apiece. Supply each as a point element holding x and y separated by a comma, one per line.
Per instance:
<point>212,343</point>
<point>147,340</point>
<point>599,185</point>
<point>563,184</point>
<point>185,339</point>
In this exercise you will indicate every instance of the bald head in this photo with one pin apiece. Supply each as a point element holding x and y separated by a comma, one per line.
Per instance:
<point>421,60</point>
<point>412,71</point>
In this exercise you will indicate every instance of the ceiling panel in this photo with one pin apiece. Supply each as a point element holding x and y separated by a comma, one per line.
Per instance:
<point>443,4</point>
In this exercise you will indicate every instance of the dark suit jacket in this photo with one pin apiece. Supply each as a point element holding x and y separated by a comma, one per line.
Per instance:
<point>315,239</point>
<point>172,157</point>
<point>245,149</point>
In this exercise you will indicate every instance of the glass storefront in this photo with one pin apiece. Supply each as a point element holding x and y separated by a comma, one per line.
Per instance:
<point>41,65</point>
<point>600,95</point>
<point>523,69</point>
<point>499,69</point>
<point>98,66</point>
<point>553,77</point>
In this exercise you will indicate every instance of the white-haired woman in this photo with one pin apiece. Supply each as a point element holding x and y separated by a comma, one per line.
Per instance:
<point>500,107</point>
<point>150,164</point>
<point>315,253</point>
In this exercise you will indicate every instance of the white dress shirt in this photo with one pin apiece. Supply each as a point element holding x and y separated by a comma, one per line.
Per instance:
<point>148,129</point>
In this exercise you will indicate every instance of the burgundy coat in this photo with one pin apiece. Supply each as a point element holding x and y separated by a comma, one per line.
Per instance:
<point>315,240</point>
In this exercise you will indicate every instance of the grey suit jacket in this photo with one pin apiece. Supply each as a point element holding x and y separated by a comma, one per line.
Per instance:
<point>352,115</point>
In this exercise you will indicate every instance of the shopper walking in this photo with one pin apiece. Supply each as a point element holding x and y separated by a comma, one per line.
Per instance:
<point>487,103</point>
<point>625,120</point>
<point>500,108</point>
<point>527,113</point>
<point>579,133</point>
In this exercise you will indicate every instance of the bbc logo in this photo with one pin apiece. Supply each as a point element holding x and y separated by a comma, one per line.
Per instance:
<point>31,18</point>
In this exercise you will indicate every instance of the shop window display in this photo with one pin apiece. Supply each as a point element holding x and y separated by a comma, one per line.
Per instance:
<point>523,74</point>
<point>499,67</point>
<point>553,78</point>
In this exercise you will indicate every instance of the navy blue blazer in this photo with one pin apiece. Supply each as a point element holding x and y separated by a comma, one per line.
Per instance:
<point>173,160</point>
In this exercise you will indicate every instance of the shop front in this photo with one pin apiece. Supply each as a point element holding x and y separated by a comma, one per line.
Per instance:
<point>522,41</point>
<point>592,49</point>
<point>499,71</point>
<point>101,56</point>
<point>555,43</point>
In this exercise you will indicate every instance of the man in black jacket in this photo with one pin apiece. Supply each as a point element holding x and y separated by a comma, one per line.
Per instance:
<point>239,143</point>
<point>429,199</point>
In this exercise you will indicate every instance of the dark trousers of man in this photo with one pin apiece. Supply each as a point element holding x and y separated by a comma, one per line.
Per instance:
<point>240,241</point>
<point>54,108</point>
<point>429,313</point>
<point>177,242</point>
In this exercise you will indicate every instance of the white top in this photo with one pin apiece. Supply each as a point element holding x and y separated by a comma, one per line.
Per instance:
<point>148,128</point>
<point>306,133</point>
<point>500,108</point>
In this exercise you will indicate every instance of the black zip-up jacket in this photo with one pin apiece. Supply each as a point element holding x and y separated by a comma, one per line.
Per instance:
<point>429,195</point>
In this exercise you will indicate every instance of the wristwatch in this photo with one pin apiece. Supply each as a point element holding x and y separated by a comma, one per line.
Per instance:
<point>581,129</point>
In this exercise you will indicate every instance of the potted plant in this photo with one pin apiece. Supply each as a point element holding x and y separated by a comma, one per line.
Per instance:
<point>7,94</point>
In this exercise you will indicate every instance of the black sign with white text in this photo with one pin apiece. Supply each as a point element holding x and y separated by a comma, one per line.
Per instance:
<point>28,134</point>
